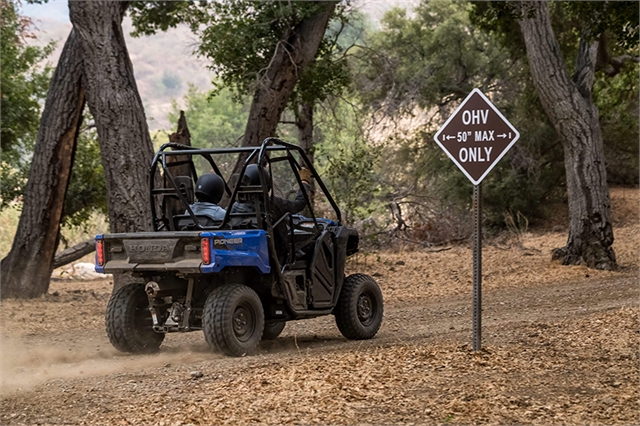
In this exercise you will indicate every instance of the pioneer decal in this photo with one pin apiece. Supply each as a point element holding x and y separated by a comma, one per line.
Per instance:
<point>224,241</point>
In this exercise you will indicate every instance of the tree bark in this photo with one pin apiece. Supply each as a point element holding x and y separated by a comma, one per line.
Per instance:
<point>173,206</point>
<point>112,97</point>
<point>27,268</point>
<point>304,123</point>
<point>114,101</point>
<point>295,51</point>
<point>568,103</point>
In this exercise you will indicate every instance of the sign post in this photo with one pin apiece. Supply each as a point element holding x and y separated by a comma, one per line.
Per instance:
<point>476,137</point>
<point>477,267</point>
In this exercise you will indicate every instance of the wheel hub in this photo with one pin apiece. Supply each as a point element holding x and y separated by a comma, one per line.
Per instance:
<point>243,323</point>
<point>365,308</point>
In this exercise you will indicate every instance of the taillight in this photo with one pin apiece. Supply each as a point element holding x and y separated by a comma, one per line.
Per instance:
<point>206,251</point>
<point>100,252</point>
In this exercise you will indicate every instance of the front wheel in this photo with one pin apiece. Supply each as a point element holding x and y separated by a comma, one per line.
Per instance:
<point>129,323</point>
<point>233,320</point>
<point>359,309</point>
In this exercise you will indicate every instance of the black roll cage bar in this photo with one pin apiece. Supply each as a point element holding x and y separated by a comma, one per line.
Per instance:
<point>268,145</point>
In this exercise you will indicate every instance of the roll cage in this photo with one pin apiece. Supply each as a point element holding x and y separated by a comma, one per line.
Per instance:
<point>272,150</point>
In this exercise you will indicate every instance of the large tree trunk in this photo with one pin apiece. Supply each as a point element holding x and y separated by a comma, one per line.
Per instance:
<point>112,96</point>
<point>296,50</point>
<point>27,268</point>
<point>567,101</point>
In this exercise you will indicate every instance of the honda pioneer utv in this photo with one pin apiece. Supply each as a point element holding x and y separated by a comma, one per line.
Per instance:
<point>242,275</point>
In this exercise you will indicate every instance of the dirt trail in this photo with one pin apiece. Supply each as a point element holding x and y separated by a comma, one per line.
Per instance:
<point>560,347</point>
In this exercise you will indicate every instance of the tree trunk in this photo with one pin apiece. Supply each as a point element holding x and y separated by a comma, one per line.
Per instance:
<point>173,206</point>
<point>27,268</point>
<point>295,51</point>
<point>112,96</point>
<point>304,123</point>
<point>567,101</point>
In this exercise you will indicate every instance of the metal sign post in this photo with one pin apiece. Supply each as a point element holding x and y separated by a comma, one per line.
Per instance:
<point>477,267</point>
<point>475,138</point>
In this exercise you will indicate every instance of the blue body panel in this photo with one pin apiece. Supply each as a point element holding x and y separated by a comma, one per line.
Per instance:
<point>237,248</point>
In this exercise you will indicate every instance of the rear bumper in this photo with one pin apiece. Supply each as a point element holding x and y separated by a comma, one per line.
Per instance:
<point>155,252</point>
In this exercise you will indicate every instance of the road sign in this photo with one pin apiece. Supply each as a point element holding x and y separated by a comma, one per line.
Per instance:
<point>476,136</point>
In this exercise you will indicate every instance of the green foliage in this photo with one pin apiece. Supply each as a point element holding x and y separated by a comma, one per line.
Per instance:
<point>436,56</point>
<point>23,83</point>
<point>619,19</point>
<point>215,120</point>
<point>430,57</point>
<point>349,166</point>
<point>617,101</point>
<point>240,38</point>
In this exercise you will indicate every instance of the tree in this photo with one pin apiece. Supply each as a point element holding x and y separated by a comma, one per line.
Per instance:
<point>565,89</point>
<point>115,104</point>
<point>27,268</point>
<point>416,69</point>
<point>568,102</point>
<point>215,120</point>
<point>94,61</point>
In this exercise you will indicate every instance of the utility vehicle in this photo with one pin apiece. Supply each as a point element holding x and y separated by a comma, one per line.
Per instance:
<point>239,279</point>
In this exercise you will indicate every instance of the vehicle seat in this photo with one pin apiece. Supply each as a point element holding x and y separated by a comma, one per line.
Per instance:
<point>183,222</point>
<point>185,186</point>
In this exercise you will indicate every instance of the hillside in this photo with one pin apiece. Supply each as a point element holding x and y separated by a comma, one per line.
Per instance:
<point>163,63</point>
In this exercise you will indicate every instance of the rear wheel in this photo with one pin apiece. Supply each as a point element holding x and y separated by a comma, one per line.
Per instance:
<point>359,309</point>
<point>129,323</point>
<point>233,320</point>
<point>272,330</point>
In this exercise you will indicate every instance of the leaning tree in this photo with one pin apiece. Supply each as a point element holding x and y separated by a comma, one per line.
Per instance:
<point>568,101</point>
<point>114,102</point>
<point>565,89</point>
<point>27,268</point>
<point>94,66</point>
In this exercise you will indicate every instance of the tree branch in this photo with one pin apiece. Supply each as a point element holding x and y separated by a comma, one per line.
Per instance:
<point>74,253</point>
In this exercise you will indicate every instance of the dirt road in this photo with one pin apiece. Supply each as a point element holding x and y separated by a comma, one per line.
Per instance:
<point>560,347</point>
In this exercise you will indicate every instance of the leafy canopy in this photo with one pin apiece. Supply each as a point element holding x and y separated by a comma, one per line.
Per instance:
<point>240,38</point>
<point>214,121</point>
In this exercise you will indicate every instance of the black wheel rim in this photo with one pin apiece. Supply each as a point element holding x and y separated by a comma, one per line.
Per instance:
<point>366,308</point>
<point>244,322</point>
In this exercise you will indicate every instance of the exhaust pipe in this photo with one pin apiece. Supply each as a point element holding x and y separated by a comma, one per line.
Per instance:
<point>162,289</point>
<point>152,289</point>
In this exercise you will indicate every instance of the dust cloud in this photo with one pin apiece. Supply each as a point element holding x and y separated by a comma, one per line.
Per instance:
<point>25,364</point>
